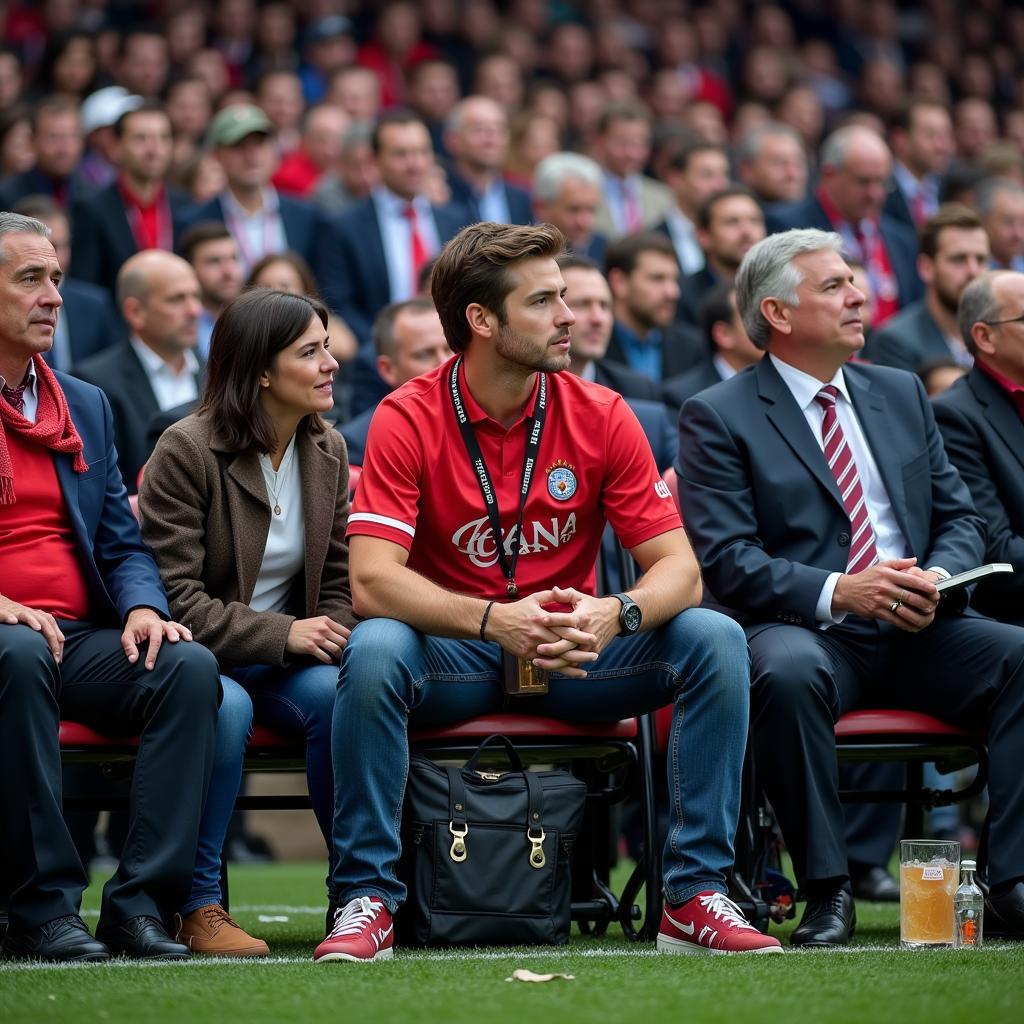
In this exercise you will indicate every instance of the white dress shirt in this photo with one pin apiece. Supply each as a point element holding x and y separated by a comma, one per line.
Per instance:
<point>725,370</point>
<point>889,539</point>
<point>30,396</point>
<point>256,234</point>
<point>396,234</point>
<point>683,233</point>
<point>170,388</point>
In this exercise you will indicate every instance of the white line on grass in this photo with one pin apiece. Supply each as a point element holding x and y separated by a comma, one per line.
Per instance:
<point>470,955</point>
<point>255,908</point>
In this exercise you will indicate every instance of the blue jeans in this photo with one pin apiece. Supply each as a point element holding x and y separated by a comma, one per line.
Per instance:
<point>393,676</point>
<point>297,702</point>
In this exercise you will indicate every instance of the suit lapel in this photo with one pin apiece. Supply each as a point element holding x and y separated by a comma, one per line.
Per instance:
<point>247,503</point>
<point>319,471</point>
<point>788,419</point>
<point>1000,412</point>
<point>873,415</point>
<point>137,383</point>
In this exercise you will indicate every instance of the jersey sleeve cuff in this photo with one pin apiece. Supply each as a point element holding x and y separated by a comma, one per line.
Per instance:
<point>370,524</point>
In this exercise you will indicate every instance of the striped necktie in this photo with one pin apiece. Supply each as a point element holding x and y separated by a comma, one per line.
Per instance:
<point>863,552</point>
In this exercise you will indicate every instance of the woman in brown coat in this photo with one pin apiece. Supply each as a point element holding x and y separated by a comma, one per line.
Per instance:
<point>245,504</point>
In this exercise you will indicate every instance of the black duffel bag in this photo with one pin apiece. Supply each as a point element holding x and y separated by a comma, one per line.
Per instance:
<point>486,854</point>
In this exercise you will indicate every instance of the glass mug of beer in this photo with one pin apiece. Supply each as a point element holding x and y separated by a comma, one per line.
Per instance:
<point>929,876</point>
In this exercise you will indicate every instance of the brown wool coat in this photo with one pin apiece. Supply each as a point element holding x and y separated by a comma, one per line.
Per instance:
<point>204,512</point>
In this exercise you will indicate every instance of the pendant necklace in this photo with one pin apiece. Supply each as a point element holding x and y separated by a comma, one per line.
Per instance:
<point>273,478</point>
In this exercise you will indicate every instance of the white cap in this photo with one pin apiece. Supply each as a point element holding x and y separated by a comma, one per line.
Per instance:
<point>105,106</point>
<point>968,865</point>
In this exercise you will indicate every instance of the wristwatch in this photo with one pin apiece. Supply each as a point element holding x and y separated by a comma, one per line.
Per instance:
<point>630,615</point>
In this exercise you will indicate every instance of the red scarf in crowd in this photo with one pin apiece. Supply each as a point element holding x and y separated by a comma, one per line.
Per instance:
<point>53,428</point>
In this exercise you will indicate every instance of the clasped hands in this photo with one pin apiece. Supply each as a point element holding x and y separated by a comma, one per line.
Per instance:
<point>896,591</point>
<point>556,641</point>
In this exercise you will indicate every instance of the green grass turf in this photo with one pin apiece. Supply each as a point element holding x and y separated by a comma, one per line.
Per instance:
<point>615,981</point>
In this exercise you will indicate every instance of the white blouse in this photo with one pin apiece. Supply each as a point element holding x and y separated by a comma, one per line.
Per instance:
<point>284,555</point>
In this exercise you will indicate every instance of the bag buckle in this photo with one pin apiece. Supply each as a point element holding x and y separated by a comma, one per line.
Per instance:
<point>537,858</point>
<point>458,850</point>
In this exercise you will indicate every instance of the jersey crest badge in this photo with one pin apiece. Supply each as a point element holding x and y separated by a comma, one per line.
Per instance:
<point>561,480</point>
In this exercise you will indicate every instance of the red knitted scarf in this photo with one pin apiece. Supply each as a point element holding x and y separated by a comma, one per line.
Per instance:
<point>53,428</point>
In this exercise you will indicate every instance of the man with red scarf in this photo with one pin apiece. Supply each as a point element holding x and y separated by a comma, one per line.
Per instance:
<point>83,625</point>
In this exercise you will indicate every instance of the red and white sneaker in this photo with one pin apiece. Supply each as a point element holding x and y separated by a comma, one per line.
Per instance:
<point>363,930</point>
<point>711,923</point>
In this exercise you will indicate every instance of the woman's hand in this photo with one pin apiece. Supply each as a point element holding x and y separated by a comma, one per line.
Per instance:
<point>320,637</point>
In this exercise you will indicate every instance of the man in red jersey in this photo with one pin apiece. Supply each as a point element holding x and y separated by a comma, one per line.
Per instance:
<point>485,488</point>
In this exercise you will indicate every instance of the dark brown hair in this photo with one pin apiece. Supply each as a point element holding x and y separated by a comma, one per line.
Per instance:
<point>624,253</point>
<point>199,234</point>
<point>478,265</point>
<point>294,260</point>
<point>706,213</point>
<point>247,337</point>
<point>949,215</point>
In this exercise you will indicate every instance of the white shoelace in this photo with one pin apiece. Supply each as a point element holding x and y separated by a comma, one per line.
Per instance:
<point>355,916</point>
<point>725,910</point>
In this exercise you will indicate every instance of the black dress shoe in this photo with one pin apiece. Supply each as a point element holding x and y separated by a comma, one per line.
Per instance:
<point>876,884</point>
<point>1004,915</point>
<point>63,940</point>
<point>827,921</point>
<point>142,938</point>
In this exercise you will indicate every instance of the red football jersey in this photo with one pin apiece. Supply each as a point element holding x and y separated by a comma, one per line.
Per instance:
<point>418,488</point>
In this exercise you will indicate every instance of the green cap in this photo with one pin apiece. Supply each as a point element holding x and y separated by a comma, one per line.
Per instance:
<point>234,123</point>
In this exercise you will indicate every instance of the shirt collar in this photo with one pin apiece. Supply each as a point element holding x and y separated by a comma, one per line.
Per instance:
<point>129,196</point>
<point>154,365</point>
<point>394,205</point>
<point>629,337</point>
<point>803,386</point>
<point>910,184</point>
<point>474,411</point>
<point>836,218</point>
<point>30,380</point>
<point>271,204</point>
<point>1015,390</point>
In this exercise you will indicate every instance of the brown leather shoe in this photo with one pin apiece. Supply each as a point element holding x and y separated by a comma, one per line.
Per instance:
<point>212,930</point>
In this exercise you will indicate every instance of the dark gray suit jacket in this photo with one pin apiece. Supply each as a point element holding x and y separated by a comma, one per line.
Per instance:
<point>909,339</point>
<point>121,376</point>
<point>984,437</point>
<point>763,509</point>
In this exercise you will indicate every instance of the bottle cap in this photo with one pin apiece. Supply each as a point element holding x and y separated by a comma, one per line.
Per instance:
<point>968,865</point>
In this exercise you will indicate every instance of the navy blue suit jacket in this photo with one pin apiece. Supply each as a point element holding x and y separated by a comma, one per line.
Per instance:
<point>520,209</point>
<point>102,239</point>
<point>303,226</point>
<point>118,566</point>
<point>32,183</point>
<point>900,241</point>
<point>763,509</point>
<point>984,437</point>
<point>355,282</point>
<point>908,339</point>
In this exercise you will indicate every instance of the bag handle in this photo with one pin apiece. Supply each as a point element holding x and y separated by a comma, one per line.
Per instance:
<point>514,759</point>
<point>457,824</point>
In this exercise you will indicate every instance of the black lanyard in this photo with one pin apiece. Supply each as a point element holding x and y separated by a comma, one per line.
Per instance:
<point>534,427</point>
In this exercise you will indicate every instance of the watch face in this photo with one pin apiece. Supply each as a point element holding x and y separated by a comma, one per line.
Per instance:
<point>631,618</point>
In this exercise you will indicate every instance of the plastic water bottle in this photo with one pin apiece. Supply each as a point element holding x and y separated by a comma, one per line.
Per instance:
<point>968,908</point>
